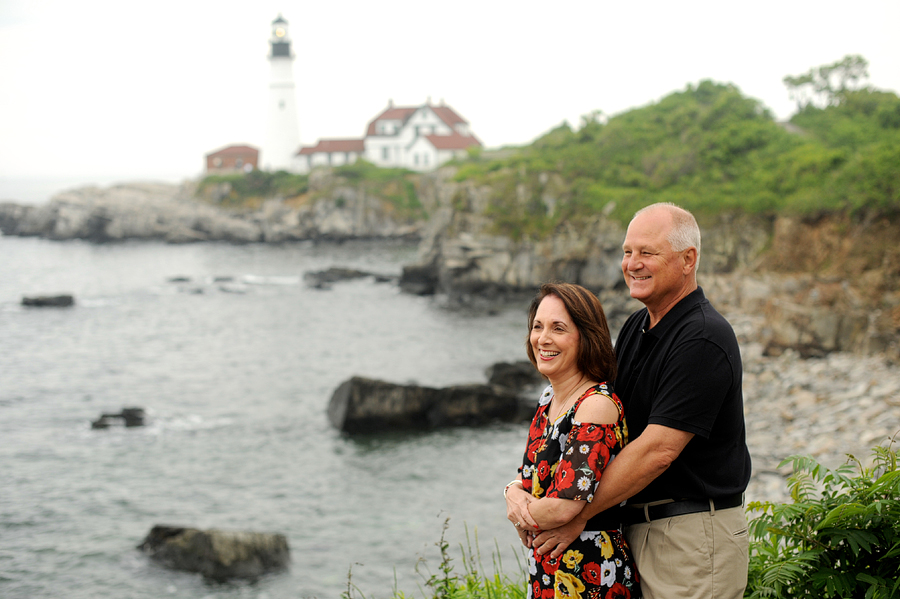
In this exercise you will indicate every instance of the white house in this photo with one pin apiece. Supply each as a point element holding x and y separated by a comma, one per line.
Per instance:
<point>419,138</point>
<point>329,152</point>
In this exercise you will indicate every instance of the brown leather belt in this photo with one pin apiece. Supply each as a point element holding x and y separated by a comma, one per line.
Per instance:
<point>633,514</point>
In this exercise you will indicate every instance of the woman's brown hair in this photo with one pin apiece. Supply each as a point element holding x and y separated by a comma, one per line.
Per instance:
<point>596,356</point>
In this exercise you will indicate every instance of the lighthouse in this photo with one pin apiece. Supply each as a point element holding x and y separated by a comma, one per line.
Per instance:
<point>282,131</point>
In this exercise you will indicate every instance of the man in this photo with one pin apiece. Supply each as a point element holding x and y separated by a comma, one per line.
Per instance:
<point>687,465</point>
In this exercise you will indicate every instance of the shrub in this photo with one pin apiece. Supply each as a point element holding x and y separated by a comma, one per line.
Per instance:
<point>840,537</point>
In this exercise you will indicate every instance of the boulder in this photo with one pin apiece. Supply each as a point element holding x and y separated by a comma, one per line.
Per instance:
<point>419,279</point>
<point>362,405</point>
<point>49,301</point>
<point>217,555</point>
<point>516,376</point>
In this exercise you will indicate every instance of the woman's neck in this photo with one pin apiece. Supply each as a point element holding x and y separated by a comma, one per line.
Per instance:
<point>563,392</point>
<point>562,389</point>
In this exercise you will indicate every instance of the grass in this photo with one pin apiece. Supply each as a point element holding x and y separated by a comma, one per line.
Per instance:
<point>472,583</point>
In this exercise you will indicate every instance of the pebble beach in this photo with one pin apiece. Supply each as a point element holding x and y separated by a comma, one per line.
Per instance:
<point>825,407</point>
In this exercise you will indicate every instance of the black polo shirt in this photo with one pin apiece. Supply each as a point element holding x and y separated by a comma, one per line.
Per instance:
<point>685,373</point>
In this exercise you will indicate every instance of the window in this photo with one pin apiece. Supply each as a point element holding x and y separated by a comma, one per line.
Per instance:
<point>385,153</point>
<point>416,160</point>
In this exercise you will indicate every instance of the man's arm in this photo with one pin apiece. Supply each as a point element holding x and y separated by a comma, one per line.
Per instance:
<point>639,463</point>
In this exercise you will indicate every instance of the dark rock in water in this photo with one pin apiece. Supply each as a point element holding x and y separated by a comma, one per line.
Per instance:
<point>515,375</point>
<point>49,301</point>
<point>419,279</point>
<point>322,279</point>
<point>179,279</point>
<point>362,405</point>
<point>128,417</point>
<point>217,555</point>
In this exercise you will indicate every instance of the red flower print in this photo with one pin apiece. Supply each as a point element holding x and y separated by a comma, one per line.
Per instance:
<point>533,447</point>
<point>565,476</point>
<point>598,458</point>
<point>543,470</point>
<point>536,589</point>
<point>611,436</point>
<point>548,593</point>
<point>618,591</point>
<point>590,432</point>
<point>592,573</point>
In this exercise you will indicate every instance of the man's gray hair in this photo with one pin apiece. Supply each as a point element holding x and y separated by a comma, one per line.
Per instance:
<point>685,232</point>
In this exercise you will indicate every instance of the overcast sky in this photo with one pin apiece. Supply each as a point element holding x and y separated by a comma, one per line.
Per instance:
<point>143,90</point>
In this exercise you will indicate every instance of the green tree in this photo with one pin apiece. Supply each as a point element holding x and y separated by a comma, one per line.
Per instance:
<point>828,84</point>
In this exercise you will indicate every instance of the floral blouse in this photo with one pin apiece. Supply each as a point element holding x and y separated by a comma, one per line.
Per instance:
<point>565,459</point>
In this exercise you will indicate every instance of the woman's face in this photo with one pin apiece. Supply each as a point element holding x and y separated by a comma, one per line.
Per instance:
<point>555,340</point>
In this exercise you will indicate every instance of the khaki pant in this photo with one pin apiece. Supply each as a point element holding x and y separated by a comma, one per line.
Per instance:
<point>701,556</point>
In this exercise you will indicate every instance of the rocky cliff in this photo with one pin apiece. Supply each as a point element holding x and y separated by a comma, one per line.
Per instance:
<point>817,285</point>
<point>173,213</point>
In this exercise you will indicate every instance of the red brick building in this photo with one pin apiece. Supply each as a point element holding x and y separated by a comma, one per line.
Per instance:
<point>233,159</point>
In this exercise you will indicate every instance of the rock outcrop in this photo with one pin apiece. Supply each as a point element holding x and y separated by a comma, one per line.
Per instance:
<point>129,211</point>
<point>824,284</point>
<point>217,555</point>
<point>173,213</point>
<point>362,405</point>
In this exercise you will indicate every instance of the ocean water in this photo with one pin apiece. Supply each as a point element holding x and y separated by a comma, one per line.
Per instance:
<point>235,368</point>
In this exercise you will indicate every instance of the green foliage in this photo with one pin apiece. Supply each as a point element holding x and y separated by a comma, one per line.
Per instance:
<point>447,584</point>
<point>396,185</point>
<point>246,189</point>
<point>710,149</point>
<point>839,538</point>
<point>471,584</point>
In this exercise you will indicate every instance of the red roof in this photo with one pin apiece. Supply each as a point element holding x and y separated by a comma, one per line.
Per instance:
<point>234,151</point>
<point>328,146</point>
<point>454,141</point>
<point>391,114</point>
<point>448,115</point>
<point>402,113</point>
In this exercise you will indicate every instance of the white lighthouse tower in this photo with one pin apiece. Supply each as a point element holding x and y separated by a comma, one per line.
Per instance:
<point>282,132</point>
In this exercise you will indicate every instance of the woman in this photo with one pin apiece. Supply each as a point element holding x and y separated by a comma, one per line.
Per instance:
<point>577,430</point>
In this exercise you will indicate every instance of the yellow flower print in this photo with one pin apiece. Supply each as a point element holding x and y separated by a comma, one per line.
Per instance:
<point>536,489</point>
<point>567,586</point>
<point>605,544</point>
<point>572,558</point>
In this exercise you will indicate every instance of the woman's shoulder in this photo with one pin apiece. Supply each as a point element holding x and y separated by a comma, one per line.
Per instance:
<point>599,405</point>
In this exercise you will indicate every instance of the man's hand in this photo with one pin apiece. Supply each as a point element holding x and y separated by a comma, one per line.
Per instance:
<point>556,540</point>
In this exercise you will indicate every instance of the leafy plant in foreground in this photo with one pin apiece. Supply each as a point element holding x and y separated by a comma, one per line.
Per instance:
<point>839,538</point>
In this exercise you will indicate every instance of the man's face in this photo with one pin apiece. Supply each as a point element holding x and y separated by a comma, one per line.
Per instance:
<point>654,273</point>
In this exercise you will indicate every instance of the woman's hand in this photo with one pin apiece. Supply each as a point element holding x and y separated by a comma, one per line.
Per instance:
<point>517,500</point>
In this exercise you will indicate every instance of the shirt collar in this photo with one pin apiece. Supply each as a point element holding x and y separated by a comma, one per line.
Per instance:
<point>688,302</point>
